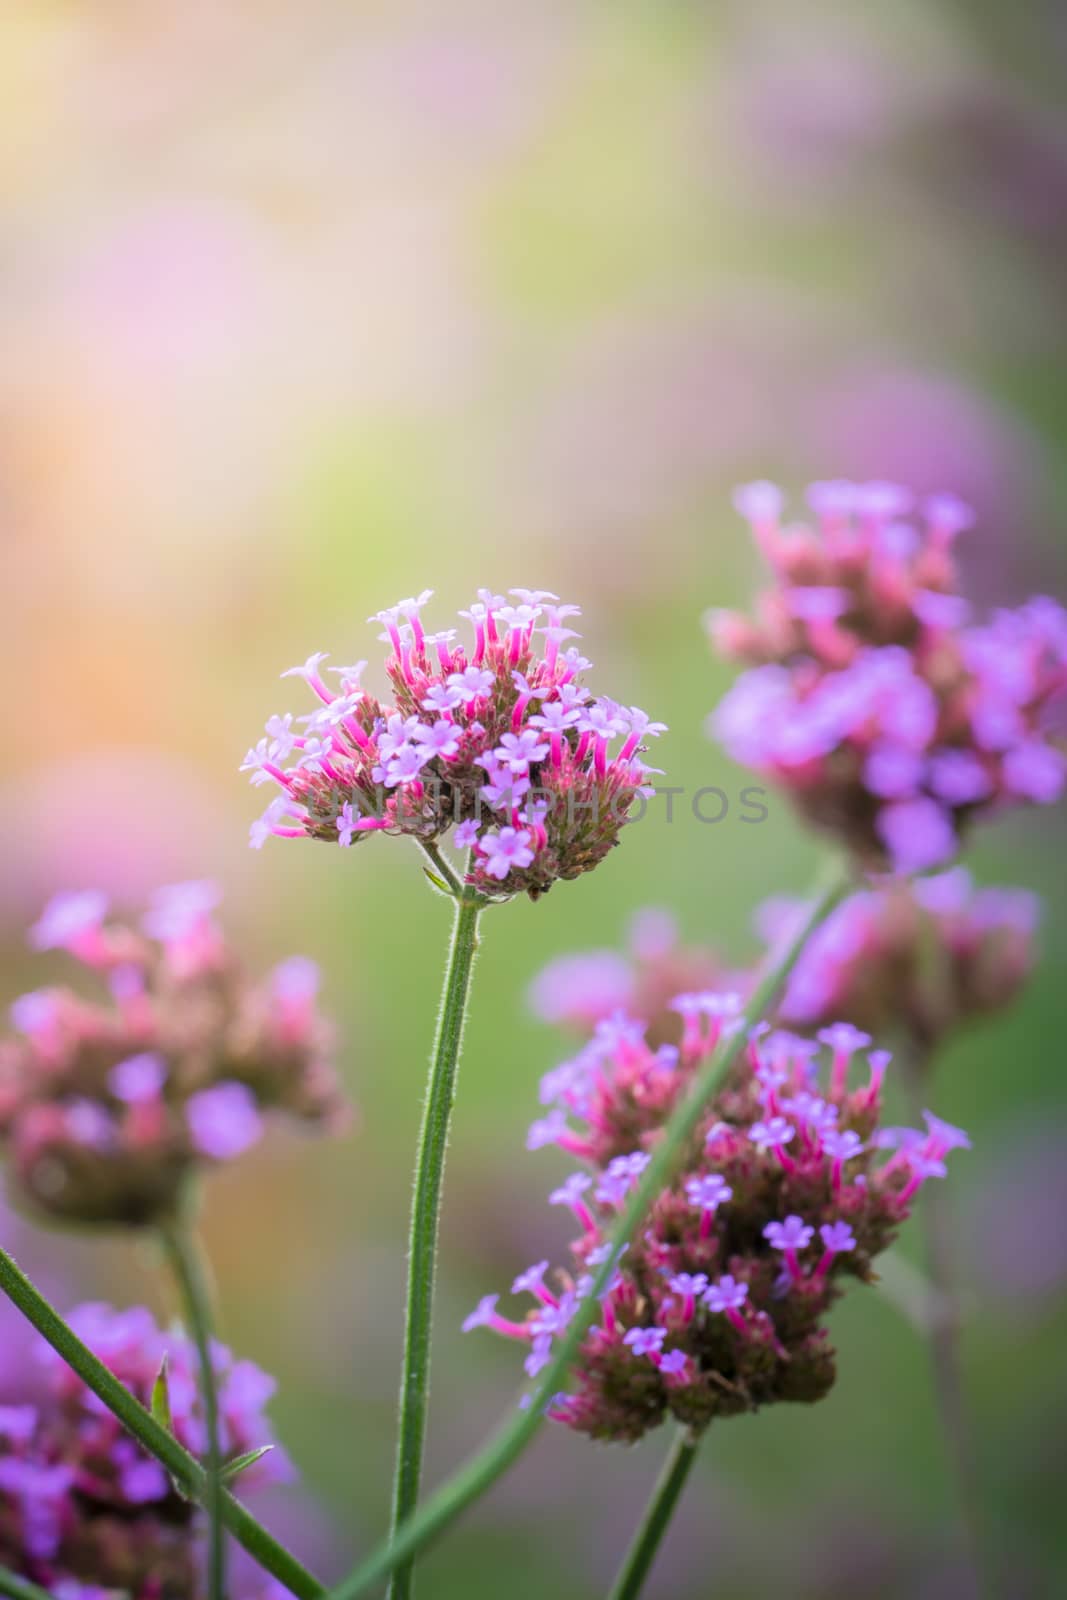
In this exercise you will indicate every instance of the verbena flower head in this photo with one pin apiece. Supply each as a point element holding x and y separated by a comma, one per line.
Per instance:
<point>497,737</point>
<point>924,957</point>
<point>173,1061</point>
<point>890,718</point>
<point>81,1502</point>
<point>788,1188</point>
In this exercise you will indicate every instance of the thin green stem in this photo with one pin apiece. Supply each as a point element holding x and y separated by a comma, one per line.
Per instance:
<point>649,1536</point>
<point>425,1216</point>
<point>16,1588</point>
<point>505,1447</point>
<point>183,1468</point>
<point>190,1271</point>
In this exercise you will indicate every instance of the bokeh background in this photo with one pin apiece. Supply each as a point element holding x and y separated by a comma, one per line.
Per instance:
<point>308,307</point>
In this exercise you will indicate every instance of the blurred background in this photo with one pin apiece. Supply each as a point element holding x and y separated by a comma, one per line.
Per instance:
<point>307,308</point>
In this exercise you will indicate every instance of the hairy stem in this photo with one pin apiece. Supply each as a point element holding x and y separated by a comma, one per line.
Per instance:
<point>190,1272</point>
<point>425,1218</point>
<point>649,1536</point>
<point>508,1444</point>
<point>182,1467</point>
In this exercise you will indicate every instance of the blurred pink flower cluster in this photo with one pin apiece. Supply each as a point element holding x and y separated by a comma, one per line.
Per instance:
<point>108,1103</point>
<point>83,1508</point>
<point>915,959</point>
<point>890,719</point>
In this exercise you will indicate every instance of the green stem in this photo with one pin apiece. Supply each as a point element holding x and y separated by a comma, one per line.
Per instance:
<point>17,1588</point>
<point>654,1523</point>
<point>504,1449</point>
<point>187,1263</point>
<point>425,1216</point>
<point>182,1467</point>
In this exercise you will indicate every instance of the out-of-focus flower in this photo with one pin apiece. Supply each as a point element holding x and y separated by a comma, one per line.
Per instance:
<point>81,1502</point>
<point>890,720</point>
<point>717,1306</point>
<point>923,957</point>
<point>107,1104</point>
<point>501,741</point>
<point>578,991</point>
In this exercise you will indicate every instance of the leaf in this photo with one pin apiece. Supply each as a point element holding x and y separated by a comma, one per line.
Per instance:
<point>161,1398</point>
<point>242,1463</point>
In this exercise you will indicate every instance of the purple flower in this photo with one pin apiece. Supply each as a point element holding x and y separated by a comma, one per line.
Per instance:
<point>761,502</point>
<point>815,1113</point>
<point>466,835</point>
<point>540,1354</point>
<point>1036,772</point>
<point>443,697</point>
<point>508,848</point>
<point>792,1234</point>
<point>709,1192</point>
<point>689,1283</point>
<point>69,920</point>
<point>179,911</point>
<point>772,1133</point>
<point>36,1013</point>
<point>726,1294</point>
<point>622,1174</point>
<point>138,1078</point>
<point>224,1121</point>
<point>483,1314</point>
<point>347,825</point>
<point>440,738</point>
<point>570,1190</point>
<point>892,771</point>
<point>674,1363</point>
<point>844,1038</point>
<point>532,1281</point>
<point>555,717</point>
<point>837,1237</point>
<point>943,1136</point>
<point>959,778</point>
<point>917,833</point>
<point>844,1146</point>
<point>645,1341</point>
<point>547,1130</point>
<point>473,682</point>
<point>405,765</point>
<point>517,751</point>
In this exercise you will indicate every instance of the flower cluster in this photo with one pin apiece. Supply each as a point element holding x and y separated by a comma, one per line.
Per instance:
<point>788,1187</point>
<point>106,1104</point>
<point>499,739</point>
<point>889,717</point>
<point>921,957</point>
<point>83,1508</point>
<point>578,991</point>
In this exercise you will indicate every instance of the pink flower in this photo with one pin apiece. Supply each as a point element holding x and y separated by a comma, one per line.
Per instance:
<point>890,719</point>
<point>466,732</point>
